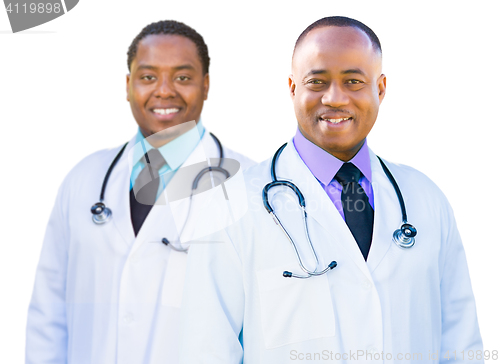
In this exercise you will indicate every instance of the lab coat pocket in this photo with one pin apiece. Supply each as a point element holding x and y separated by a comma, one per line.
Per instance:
<point>294,310</point>
<point>173,282</point>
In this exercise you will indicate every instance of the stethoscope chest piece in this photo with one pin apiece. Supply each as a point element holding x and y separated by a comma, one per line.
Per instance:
<point>100,213</point>
<point>405,236</point>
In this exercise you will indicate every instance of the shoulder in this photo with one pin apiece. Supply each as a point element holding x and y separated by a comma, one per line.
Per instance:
<point>245,162</point>
<point>84,179</point>
<point>419,190</point>
<point>90,167</point>
<point>97,160</point>
<point>259,172</point>
<point>409,176</point>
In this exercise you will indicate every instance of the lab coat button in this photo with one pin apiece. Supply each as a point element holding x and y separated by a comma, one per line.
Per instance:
<point>368,285</point>
<point>128,318</point>
<point>371,350</point>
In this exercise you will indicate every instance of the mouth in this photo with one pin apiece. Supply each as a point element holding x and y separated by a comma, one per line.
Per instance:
<point>335,120</point>
<point>169,111</point>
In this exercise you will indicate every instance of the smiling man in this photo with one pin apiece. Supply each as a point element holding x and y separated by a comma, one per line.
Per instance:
<point>344,276</point>
<point>109,284</point>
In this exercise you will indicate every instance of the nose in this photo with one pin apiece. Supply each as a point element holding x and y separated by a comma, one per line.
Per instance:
<point>165,88</point>
<point>335,96</point>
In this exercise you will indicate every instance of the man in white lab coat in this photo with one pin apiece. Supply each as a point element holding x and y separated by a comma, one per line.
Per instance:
<point>111,292</point>
<point>379,302</point>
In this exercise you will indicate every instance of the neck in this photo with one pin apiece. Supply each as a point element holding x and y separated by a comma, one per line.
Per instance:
<point>346,156</point>
<point>343,155</point>
<point>165,136</point>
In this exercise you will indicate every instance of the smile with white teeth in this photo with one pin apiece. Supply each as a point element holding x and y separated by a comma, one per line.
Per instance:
<point>336,121</point>
<point>165,111</point>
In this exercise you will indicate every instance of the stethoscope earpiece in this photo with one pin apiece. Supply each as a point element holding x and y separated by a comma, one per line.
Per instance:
<point>405,236</point>
<point>168,243</point>
<point>100,213</point>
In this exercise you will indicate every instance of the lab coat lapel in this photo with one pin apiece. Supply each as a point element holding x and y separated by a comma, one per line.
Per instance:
<point>117,196</point>
<point>318,205</point>
<point>387,217</point>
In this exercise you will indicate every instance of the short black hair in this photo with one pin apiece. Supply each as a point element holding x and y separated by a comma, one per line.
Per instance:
<point>341,21</point>
<point>171,27</point>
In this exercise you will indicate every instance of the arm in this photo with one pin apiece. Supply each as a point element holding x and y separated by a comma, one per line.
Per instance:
<point>460,330</point>
<point>213,304</point>
<point>46,333</point>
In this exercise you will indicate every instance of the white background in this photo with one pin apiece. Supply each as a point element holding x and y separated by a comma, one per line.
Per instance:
<point>62,94</point>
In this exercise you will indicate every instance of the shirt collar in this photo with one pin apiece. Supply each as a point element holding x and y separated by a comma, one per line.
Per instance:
<point>174,152</point>
<point>325,166</point>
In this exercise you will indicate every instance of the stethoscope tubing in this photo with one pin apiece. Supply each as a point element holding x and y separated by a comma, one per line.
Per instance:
<point>108,172</point>
<point>301,200</point>
<point>301,264</point>
<point>396,188</point>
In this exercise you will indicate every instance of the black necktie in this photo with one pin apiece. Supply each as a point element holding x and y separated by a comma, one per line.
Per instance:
<point>143,194</point>
<point>357,210</point>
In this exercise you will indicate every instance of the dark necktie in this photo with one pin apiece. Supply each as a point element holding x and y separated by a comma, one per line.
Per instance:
<point>143,194</point>
<point>357,210</point>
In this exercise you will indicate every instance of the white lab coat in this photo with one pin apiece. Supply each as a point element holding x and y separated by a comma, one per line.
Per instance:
<point>239,308</point>
<point>101,294</point>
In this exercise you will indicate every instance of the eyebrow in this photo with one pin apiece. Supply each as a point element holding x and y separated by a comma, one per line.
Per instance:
<point>354,70</point>
<point>178,68</point>
<point>146,67</point>
<point>315,72</point>
<point>345,72</point>
<point>184,67</point>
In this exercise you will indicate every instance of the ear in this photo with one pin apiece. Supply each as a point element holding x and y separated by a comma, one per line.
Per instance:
<point>291,86</point>
<point>381,84</point>
<point>128,83</point>
<point>206,86</point>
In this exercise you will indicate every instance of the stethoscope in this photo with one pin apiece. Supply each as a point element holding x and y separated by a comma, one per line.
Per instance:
<point>102,214</point>
<point>404,237</point>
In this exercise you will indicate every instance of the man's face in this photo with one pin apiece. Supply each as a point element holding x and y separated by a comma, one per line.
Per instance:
<point>166,85</point>
<point>336,88</point>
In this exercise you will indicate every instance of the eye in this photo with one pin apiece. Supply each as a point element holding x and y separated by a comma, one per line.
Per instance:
<point>315,81</point>
<point>148,77</point>
<point>183,78</point>
<point>354,82</point>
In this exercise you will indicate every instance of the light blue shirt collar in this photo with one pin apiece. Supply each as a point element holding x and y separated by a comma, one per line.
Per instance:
<point>174,152</point>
